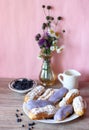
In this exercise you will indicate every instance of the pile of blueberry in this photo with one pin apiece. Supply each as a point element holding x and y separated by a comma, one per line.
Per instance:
<point>23,84</point>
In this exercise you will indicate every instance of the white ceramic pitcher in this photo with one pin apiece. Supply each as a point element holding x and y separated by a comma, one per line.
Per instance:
<point>70,78</point>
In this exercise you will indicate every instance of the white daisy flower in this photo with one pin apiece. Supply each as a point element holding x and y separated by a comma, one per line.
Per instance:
<point>59,49</point>
<point>52,48</point>
<point>51,32</point>
<point>54,42</point>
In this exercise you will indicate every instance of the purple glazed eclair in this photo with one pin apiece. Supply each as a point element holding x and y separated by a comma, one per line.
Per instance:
<point>37,103</point>
<point>63,112</point>
<point>58,95</point>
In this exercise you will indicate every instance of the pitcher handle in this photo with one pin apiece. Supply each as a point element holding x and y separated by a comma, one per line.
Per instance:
<point>60,76</point>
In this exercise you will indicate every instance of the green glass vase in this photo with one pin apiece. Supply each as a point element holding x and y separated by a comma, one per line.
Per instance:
<point>47,76</point>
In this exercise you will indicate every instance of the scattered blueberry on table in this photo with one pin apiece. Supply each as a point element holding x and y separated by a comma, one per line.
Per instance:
<point>23,125</point>
<point>19,120</point>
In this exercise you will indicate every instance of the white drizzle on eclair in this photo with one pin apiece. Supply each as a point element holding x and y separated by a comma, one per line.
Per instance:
<point>69,97</point>
<point>46,94</point>
<point>79,105</point>
<point>34,94</point>
<point>42,112</point>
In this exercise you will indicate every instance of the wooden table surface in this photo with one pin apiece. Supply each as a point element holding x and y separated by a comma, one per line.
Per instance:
<point>11,101</point>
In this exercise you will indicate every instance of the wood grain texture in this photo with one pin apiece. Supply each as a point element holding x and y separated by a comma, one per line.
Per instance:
<point>11,101</point>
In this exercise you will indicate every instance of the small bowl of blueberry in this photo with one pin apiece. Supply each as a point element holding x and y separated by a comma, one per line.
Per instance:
<point>22,85</point>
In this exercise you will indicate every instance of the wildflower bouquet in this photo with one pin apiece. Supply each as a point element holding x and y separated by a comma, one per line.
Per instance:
<point>48,41</point>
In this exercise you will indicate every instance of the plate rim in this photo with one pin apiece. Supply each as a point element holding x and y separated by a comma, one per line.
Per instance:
<point>21,91</point>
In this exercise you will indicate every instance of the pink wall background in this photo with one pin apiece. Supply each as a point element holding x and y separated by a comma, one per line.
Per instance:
<point>20,21</point>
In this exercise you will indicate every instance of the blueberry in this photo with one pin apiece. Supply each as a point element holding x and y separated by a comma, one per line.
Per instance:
<point>17,110</point>
<point>17,84</point>
<point>24,80</point>
<point>21,114</point>
<point>23,125</point>
<point>30,83</point>
<point>31,124</point>
<point>17,115</point>
<point>17,120</point>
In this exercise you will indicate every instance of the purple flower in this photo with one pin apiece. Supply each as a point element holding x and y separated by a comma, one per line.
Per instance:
<point>48,44</point>
<point>42,42</point>
<point>47,34</point>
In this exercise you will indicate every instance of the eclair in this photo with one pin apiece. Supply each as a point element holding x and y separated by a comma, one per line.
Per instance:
<point>79,105</point>
<point>42,112</point>
<point>34,94</point>
<point>63,112</point>
<point>46,94</point>
<point>58,95</point>
<point>69,97</point>
<point>37,103</point>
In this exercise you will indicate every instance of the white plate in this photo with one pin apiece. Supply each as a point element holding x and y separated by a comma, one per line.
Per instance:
<point>51,121</point>
<point>21,91</point>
